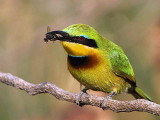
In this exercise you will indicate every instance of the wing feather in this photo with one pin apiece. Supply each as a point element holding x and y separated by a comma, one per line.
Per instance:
<point>121,65</point>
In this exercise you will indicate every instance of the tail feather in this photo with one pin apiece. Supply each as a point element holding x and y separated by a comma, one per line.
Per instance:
<point>138,94</point>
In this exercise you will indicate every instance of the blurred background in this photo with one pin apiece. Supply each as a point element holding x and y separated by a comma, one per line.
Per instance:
<point>134,25</point>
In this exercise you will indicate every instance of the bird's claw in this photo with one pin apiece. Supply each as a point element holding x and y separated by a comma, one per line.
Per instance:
<point>78,100</point>
<point>109,97</point>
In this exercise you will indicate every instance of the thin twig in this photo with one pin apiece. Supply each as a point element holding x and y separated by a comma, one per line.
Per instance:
<point>47,87</point>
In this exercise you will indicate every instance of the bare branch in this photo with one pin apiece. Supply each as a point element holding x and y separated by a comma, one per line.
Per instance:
<point>47,87</point>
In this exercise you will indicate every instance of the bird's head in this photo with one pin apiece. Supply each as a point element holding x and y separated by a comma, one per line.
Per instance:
<point>77,39</point>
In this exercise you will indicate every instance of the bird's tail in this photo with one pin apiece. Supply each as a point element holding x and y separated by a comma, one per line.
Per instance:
<point>138,94</point>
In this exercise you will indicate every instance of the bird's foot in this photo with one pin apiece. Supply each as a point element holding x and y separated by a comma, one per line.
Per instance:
<point>78,100</point>
<point>103,104</point>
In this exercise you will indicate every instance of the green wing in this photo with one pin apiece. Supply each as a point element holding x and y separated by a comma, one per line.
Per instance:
<point>120,64</point>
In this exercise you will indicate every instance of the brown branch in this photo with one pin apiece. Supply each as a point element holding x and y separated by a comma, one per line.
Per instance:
<point>47,87</point>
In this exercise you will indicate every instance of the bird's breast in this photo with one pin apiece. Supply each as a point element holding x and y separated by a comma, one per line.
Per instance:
<point>94,72</point>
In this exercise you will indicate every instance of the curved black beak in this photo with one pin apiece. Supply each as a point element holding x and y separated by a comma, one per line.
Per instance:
<point>64,36</point>
<point>57,35</point>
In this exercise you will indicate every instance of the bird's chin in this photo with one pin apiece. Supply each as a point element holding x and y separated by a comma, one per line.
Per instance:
<point>76,49</point>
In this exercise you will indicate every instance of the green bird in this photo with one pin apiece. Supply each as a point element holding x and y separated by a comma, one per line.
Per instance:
<point>96,62</point>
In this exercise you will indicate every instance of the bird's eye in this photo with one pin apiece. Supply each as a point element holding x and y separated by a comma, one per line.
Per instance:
<point>81,38</point>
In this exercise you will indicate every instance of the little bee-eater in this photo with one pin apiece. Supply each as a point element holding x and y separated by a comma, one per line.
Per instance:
<point>96,62</point>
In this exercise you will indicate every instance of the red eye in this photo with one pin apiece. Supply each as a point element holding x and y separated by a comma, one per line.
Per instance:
<point>81,38</point>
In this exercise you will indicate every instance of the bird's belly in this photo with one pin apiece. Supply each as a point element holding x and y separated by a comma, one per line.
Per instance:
<point>99,79</point>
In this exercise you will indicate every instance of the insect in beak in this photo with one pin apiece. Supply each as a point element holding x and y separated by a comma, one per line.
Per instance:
<point>56,35</point>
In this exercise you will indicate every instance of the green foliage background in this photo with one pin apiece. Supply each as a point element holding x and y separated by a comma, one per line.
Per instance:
<point>134,25</point>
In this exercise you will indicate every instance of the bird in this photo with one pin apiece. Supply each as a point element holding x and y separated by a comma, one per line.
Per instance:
<point>96,62</point>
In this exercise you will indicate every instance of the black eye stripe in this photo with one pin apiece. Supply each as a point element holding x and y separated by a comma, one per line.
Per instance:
<point>85,41</point>
<point>81,38</point>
